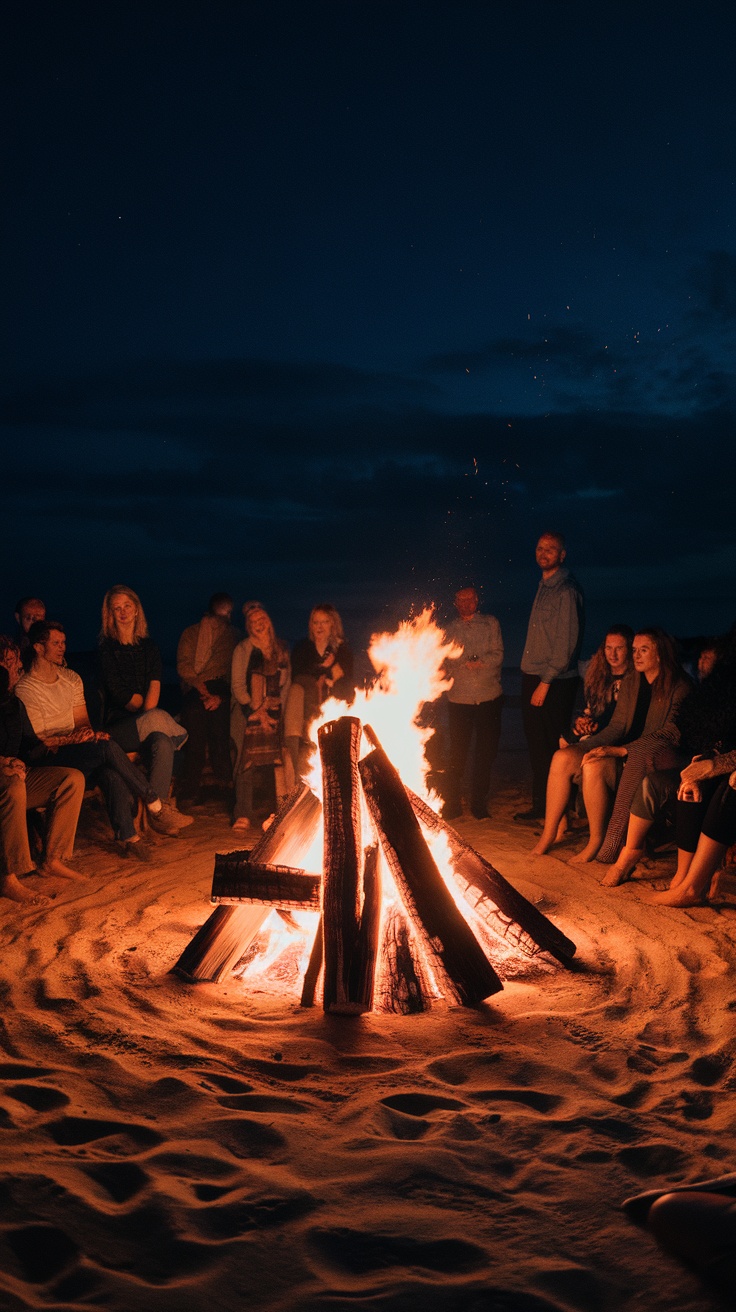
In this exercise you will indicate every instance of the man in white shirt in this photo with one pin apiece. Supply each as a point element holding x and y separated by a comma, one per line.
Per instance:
<point>54,699</point>
<point>474,704</point>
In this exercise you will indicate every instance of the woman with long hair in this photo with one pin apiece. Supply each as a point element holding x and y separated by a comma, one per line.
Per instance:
<point>602,681</point>
<point>707,725</point>
<point>131,667</point>
<point>260,677</point>
<point>321,667</point>
<point>606,671</point>
<point>642,722</point>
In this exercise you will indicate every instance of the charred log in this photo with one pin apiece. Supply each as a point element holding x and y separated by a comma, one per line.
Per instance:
<point>403,986</point>
<point>503,908</point>
<point>220,943</point>
<point>279,886</point>
<point>461,969</point>
<point>348,973</point>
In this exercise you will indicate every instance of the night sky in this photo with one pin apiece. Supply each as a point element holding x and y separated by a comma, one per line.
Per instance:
<point>348,301</point>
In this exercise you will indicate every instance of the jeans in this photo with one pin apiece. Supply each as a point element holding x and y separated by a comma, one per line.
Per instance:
<point>157,752</point>
<point>105,764</point>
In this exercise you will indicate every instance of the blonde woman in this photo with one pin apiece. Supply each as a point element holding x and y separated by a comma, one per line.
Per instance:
<point>130,663</point>
<point>321,667</point>
<point>260,678</point>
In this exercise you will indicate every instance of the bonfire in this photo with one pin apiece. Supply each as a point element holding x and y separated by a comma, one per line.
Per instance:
<point>394,923</point>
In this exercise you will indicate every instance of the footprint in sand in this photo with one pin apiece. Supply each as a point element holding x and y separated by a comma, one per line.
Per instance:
<point>359,1252</point>
<point>225,1083</point>
<point>264,1102</point>
<point>71,1131</point>
<point>229,1220</point>
<point>40,1252</point>
<point>38,1096</point>
<point>245,1138</point>
<point>10,1070</point>
<point>697,1106</point>
<point>539,1102</point>
<point>421,1104</point>
<point>690,960</point>
<point>463,1067</point>
<point>709,1070</point>
<point>121,1180</point>
<point>647,1159</point>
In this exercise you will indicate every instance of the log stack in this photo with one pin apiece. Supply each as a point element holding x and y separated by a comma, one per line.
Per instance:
<point>396,953</point>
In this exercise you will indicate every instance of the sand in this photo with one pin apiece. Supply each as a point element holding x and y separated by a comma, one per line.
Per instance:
<point>217,1147</point>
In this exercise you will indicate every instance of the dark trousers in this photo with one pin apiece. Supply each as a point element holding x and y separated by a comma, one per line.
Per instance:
<point>120,782</point>
<point>715,816</point>
<point>483,720</point>
<point>208,731</point>
<point>542,728</point>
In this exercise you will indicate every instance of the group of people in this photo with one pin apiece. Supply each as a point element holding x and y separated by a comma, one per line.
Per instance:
<point>645,743</point>
<point>246,704</point>
<point>648,746</point>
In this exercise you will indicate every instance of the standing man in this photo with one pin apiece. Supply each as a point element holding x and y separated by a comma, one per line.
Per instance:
<point>549,666</point>
<point>203,660</point>
<point>28,611</point>
<point>474,704</point>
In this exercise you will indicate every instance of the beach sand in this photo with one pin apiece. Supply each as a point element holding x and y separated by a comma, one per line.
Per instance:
<point>169,1146</point>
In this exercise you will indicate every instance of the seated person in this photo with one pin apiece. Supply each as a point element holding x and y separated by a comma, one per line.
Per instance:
<point>54,699</point>
<point>706,722</point>
<point>203,661</point>
<point>704,835</point>
<point>28,611</point>
<point>321,667</point>
<point>602,682</point>
<point>644,716</point>
<point>261,672</point>
<point>130,663</point>
<point>27,781</point>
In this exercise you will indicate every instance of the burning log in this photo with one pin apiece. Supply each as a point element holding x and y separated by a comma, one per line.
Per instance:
<point>220,943</point>
<point>350,908</point>
<point>462,971</point>
<point>403,984</point>
<point>280,886</point>
<point>504,909</point>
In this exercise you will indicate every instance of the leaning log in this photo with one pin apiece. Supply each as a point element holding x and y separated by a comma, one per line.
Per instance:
<point>348,972</point>
<point>312,973</point>
<point>501,906</point>
<point>221,941</point>
<point>278,886</point>
<point>462,971</point>
<point>402,985</point>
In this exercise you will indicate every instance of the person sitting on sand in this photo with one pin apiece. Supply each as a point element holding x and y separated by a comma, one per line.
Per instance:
<point>261,673</point>
<point>54,699</point>
<point>131,668</point>
<point>602,682</point>
<point>707,725</point>
<point>644,717</point>
<point>28,781</point>
<point>321,667</point>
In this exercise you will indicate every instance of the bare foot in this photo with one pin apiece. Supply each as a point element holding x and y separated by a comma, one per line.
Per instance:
<point>680,895</point>
<point>561,829</point>
<point>622,870</point>
<point>588,854</point>
<point>541,848</point>
<point>10,886</point>
<point>55,866</point>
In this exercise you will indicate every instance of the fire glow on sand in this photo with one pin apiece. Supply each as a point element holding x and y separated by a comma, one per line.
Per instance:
<point>396,921</point>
